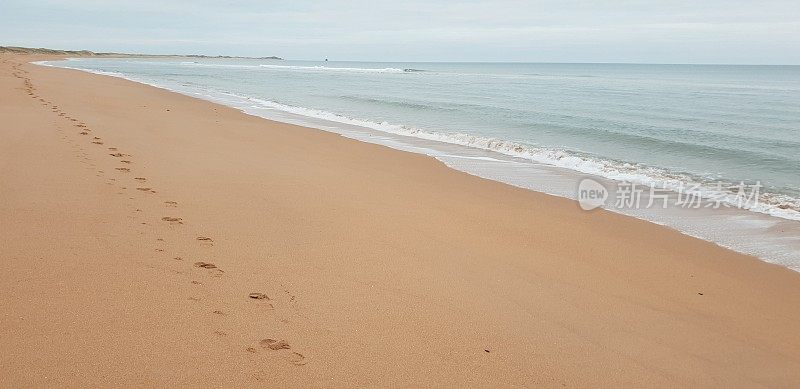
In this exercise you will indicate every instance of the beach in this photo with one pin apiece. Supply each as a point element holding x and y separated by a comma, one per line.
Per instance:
<point>151,238</point>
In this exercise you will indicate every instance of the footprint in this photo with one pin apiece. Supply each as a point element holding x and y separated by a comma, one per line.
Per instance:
<point>261,296</point>
<point>297,359</point>
<point>215,271</point>
<point>139,178</point>
<point>294,358</point>
<point>125,161</point>
<point>273,344</point>
<point>172,220</point>
<point>123,169</point>
<point>171,203</point>
<point>258,296</point>
<point>142,189</point>
<point>97,142</point>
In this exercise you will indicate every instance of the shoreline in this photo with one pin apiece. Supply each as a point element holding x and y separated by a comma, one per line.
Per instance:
<point>725,227</point>
<point>400,271</point>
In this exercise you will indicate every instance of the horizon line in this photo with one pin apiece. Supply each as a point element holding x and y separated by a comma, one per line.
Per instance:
<point>276,57</point>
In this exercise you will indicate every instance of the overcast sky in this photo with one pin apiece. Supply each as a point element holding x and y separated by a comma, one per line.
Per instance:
<point>710,31</point>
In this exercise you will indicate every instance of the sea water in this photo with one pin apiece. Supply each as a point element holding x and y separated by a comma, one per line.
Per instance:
<point>727,136</point>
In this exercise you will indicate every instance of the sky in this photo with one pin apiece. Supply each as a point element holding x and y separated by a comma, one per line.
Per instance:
<point>632,31</point>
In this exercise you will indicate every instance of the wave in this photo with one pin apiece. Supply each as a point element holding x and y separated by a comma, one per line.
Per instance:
<point>773,204</point>
<point>303,68</point>
<point>341,69</point>
<point>397,103</point>
<point>217,65</point>
<point>93,71</point>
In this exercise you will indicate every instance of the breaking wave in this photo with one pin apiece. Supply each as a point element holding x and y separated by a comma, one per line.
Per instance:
<point>305,68</point>
<point>777,205</point>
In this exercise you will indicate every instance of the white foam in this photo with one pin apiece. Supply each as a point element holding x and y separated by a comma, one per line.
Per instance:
<point>335,69</point>
<point>300,68</point>
<point>615,170</point>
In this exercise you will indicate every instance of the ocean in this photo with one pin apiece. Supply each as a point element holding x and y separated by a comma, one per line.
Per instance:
<point>710,150</point>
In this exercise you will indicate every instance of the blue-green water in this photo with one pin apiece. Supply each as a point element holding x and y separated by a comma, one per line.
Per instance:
<point>704,127</point>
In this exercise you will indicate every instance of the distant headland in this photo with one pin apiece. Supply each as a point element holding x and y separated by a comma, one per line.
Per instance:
<point>87,53</point>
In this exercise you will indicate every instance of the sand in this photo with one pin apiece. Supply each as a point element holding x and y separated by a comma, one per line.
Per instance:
<point>152,239</point>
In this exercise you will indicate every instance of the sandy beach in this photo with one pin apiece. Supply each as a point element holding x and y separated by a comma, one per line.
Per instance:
<point>153,239</point>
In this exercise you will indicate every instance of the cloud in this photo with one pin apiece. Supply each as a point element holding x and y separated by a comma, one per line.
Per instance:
<point>599,31</point>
